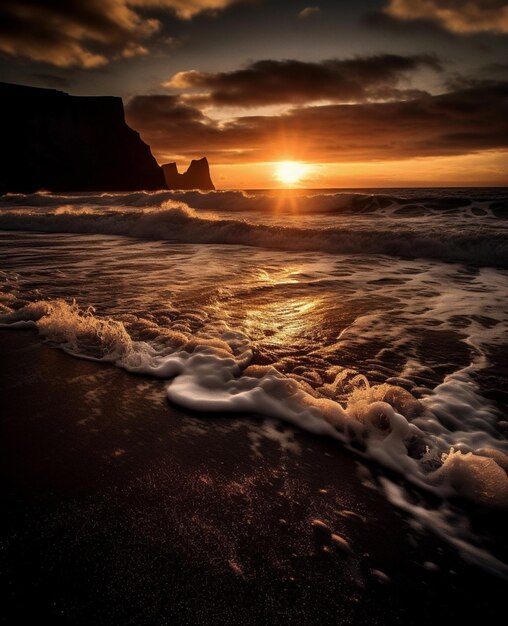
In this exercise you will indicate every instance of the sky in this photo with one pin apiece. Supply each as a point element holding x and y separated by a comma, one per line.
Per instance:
<point>362,93</point>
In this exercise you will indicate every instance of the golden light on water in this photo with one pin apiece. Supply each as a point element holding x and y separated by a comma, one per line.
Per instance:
<point>290,172</point>
<point>285,276</point>
<point>277,323</point>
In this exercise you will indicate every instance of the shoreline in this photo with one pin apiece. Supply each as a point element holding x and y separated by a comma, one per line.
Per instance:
<point>120,507</point>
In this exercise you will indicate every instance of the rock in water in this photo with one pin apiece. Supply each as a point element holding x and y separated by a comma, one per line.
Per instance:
<point>196,177</point>
<point>58,142</point>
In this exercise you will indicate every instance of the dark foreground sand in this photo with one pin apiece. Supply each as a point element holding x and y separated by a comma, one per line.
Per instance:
<point>119,509</point>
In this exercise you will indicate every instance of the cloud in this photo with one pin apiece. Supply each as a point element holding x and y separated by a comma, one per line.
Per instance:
<point>166,110</point>
<point>495,69</point>
<point>457,16</point>
<point>184,9</point>
<point>308,12</point>
<point>51,80</point>
<point>86,33</point>
<point>461,122</point>
<point>278,82</point>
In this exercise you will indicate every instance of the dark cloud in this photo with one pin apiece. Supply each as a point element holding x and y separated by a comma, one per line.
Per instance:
<point>456,123</point>
<point>495,69</point>
<point>51,80</point>
<point>308,12</point>
<point>275,82</point>
<point>457,16</point>
<point>86,33</point>
<point>458,82</point>
<point>166,109</point>
<point>383,21</point>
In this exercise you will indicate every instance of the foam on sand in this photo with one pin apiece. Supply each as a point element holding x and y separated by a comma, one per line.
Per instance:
<point>383,422</point>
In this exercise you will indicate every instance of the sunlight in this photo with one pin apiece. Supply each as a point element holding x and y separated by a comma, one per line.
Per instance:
<point>290,172</point>
<point>278,322</point>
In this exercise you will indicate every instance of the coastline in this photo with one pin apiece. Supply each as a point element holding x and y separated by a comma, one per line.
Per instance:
<point>123,509</point>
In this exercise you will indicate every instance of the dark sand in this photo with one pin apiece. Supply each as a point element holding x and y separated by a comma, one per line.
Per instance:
<point>119,509</point>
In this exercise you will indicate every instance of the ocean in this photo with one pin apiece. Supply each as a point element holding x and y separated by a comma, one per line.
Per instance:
<point>376,319</point>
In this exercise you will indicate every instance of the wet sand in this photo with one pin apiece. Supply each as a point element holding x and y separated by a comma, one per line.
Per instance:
<point>121,509</point>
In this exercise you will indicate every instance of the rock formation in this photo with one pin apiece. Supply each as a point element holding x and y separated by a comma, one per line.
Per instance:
<point>58,142</point>
<point>196,177</point>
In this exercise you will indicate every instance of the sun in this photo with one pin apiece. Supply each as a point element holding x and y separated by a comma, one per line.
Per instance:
<point>290,172</point>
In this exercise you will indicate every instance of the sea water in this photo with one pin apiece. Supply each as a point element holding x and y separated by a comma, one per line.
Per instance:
<point>377,318</point>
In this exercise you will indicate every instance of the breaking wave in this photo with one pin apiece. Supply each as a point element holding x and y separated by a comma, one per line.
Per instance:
<point>445,443</point>
<point>402,203</point>
<point>480,244</point>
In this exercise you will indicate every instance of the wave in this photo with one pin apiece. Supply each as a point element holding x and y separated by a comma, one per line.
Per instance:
<point>177,222</point>
<point>407,203</point>
<point>383,422</point>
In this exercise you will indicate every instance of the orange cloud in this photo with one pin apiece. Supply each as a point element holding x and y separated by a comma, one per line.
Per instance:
<point>86,33</point>
<point>185,9</point>
<point>473,16</point>
<point>464,121</point>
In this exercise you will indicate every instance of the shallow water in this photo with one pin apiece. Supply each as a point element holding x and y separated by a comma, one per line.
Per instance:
<point>379,320</point>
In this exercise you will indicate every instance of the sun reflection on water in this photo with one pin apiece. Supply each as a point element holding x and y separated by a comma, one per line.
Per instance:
<point>280,320</point>
<point>285,276</point>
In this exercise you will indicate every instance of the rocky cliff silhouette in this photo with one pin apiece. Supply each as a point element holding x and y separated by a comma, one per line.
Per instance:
<point>51,140</point>
<point>196,177</point>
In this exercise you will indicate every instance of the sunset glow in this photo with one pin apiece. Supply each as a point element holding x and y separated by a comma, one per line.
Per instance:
<point>253,311</point>
<point>290,172</point>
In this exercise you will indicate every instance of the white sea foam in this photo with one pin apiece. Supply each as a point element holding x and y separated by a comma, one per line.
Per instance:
<point>216,377</point>
<point>380,421</point>
<point>444,522</point>
<point>443,438</point>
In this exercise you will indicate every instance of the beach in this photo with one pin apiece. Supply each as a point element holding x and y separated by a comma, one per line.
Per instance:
<point>253,313</point>
<point>212,413</point>
<point>122,509</point>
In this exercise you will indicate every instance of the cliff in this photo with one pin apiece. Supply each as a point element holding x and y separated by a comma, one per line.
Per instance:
<point>51,140</point>
<point>196,177</point>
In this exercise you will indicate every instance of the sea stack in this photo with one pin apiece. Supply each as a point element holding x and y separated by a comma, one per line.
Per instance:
<point>58,142</point>
<point>196,177</point>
